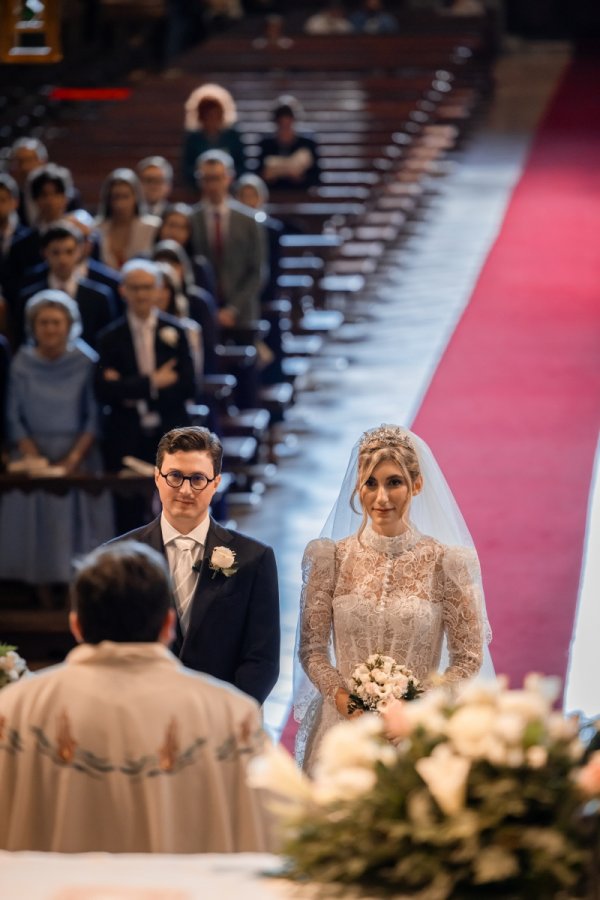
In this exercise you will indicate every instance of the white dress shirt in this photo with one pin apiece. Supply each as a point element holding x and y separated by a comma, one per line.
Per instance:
<point>69,286</point>
<point>169,534</point>
<point>143,334</point>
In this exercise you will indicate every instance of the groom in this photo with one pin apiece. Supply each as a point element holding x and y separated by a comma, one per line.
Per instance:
<point>224,583</point>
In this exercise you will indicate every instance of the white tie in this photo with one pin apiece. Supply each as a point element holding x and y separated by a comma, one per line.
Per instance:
<point>184,578</point>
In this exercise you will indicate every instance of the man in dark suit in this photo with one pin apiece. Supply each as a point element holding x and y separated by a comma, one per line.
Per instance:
<point>226,233</point>
<point>224,583</point>
<point>60,247</point>
<point>48,191</point>
<point>144,378</point>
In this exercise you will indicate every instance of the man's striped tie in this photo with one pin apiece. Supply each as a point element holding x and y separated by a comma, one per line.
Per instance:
<point>184,578</point>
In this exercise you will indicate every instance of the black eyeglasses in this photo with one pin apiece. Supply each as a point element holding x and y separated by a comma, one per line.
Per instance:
<point>198,481</point>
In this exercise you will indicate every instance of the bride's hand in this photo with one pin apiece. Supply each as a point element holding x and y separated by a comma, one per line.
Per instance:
<point>342,697</point>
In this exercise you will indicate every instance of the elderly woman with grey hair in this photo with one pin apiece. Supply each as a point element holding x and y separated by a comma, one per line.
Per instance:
<point>51,421</point>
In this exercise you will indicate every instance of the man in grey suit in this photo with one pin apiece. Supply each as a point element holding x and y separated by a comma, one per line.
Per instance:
<point>226,232</point>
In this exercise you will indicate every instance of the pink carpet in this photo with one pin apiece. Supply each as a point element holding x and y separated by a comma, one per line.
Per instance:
<point>514,407</point>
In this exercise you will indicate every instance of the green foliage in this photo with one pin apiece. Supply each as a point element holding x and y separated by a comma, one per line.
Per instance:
<point>520,834</point>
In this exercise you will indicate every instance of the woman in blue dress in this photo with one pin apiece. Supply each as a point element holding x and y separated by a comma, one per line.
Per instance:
<point>52,415</point>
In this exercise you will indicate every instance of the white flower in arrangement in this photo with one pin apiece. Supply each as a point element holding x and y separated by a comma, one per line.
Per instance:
<point>223,560</point>
<point>561,728</point>
<point>486,784</point>
<point>482,692</point>
<point>531,705</point>
<point>536,757</point>
<point>469,730</point>
<point>275,771</point>
<point>548,686</point>
<point>169,335</point>
<point>510,727</point>
<point>445,774</point>
<point>12,666</point>
<point>353,744</point>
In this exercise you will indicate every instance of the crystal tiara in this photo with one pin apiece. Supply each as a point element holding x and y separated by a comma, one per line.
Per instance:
<point>385,436</point>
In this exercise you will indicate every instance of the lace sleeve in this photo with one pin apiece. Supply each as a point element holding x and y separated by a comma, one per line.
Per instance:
<point>462,612</point>
<point>318,581</point>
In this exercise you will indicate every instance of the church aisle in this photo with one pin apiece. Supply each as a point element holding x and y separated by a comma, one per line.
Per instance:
<point>413,312</point>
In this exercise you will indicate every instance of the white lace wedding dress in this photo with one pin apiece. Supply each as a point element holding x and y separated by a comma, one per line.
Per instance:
<point>400,596</point>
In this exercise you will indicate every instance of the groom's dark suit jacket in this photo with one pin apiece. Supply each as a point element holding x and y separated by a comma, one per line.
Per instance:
<point>233,630</point>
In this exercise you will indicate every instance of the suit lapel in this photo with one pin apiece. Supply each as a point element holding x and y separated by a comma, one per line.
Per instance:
<point>129,348</point>
<point>153,537</point>
<point>208,587</point>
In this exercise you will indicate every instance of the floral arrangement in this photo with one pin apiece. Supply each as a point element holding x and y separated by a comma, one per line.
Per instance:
<point>12,666</point>
<point>378,682</point>
<point>223,560</point>
<point>484,793</point>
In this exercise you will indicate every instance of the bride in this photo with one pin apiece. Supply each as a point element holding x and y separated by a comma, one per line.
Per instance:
<point>401,577</point>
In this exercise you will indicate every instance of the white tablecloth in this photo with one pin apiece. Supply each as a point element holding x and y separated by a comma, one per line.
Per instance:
<point>107,876</point>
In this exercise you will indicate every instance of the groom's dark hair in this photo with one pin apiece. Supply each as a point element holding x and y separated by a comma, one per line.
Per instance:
<point>121,592</point>
<point>189,439</point>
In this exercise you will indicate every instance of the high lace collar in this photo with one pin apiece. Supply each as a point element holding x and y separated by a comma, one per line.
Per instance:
<point>390,545</point>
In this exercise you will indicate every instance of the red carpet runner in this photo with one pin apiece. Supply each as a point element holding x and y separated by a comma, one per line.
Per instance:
<point>514,407</point>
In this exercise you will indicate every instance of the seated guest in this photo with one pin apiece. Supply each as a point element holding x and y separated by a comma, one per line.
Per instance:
<point>52,415</point>
<point>124,230</point>
<point>288,159</point>
<point>273,36</point>
<point>210,117</point>
<point>156,177</point>
<point>61,248</point>
<point>177,226</point>
<point>189,300</point>
<point>331,20</point>
<point>371,18</point>
<point>144,379</point>
<point>121,749</point>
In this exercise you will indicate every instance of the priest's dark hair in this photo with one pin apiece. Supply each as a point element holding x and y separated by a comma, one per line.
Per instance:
<point>121,592</point>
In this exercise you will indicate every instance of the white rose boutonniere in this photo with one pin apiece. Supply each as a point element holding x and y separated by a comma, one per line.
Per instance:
<point>169,335</point>
<point>223,560</point>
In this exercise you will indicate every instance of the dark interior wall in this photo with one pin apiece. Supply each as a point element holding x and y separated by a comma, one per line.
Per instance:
<point>553,18</point>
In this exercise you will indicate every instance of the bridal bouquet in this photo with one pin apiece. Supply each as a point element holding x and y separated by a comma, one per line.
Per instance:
<point>12,666</point>
<point>486,793</point>
<point>380,680</point>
